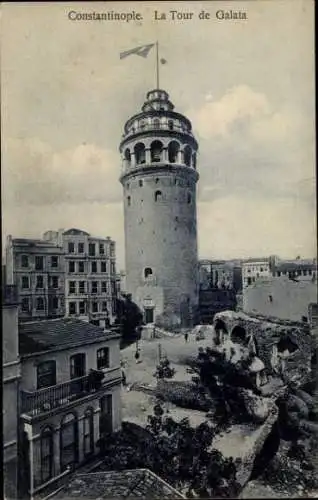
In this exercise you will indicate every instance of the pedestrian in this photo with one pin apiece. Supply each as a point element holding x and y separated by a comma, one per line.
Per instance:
<point>137,356</point>
<point>186,336</point>
<point>124,378</point>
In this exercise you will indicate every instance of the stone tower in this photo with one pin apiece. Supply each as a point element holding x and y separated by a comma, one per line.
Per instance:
<point>159,176</point>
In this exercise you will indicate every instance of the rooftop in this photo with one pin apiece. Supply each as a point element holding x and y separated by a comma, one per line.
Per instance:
<point>135,483</point>
<point>58,334</point>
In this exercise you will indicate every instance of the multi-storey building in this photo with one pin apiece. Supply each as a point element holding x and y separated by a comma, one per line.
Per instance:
<point>36,267</point>
<point>159,176</point>
<point>300,269</point>
<point>69,397</point>
<point>255,268</point>
<point>90,275</point>
<point>10,382</point>
<point>220,274</point>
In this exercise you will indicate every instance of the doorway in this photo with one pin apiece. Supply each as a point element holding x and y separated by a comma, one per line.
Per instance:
<point>149,315</point>
<point>106,416</point>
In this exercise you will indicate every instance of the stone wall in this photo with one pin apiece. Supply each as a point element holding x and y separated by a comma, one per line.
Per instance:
<point>267,332</point>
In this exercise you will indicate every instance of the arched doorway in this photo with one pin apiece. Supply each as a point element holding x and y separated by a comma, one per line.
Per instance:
<point>238,335</point>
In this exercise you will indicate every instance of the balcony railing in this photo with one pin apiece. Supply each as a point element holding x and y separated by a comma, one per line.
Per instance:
<point>47,399</point>
<point>161,126</point>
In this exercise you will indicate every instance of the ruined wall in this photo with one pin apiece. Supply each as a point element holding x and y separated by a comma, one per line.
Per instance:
<point>267,332</point>
<point>280,297</point>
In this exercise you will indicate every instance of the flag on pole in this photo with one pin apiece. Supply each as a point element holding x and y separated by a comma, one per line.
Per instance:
<point>142,51</point>
<point>163,61</point>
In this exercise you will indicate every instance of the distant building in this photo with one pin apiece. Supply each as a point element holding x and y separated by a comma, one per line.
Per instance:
<point>280,297</point>
<point>11,373</point>
<point>90,275</point>
<point>255,268</point>
<point>300,269</point>
<point>69,396</point>
<point>220,274</point>
<point>36,268</point>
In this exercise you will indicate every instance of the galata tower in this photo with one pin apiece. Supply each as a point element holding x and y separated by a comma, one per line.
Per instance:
<point>159,176</point>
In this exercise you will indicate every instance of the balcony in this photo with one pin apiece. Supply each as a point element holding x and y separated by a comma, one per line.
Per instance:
<point>152,127</point>
<point>45,400</point>
<point>9,295</point>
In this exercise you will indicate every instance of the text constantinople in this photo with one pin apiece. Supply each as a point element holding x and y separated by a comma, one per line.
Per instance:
<point>105,16</point>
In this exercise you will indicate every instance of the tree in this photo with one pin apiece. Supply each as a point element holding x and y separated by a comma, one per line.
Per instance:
<point>164,370</point>
<point>129,317</point>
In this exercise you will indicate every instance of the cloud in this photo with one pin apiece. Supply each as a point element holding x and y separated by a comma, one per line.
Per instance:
<point>35,174</point>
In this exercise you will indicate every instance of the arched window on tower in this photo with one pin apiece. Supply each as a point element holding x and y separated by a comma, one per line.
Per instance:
<point>158,195</point>
<point>128,201</point>
<point>189,198</point>
<point>173,151</point>
<point>170,124</point>
<point>156,151</point>
<point>187,156</point>
<point>140,153</point>
<point>128,157</point>
<point>156,123</point>
<point>148,273</point>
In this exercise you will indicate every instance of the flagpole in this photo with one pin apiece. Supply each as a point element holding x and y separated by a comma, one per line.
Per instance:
<point>157,64</point>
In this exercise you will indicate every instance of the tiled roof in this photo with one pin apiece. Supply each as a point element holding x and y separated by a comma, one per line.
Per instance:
<point>136,483</point>
<point>38,336</point>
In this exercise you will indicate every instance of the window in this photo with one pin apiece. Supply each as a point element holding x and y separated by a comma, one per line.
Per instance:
<point>103,267</point>
<point>148,272</point>
<point>189,198</point>
<point>127,156</point>
<point>38,262</point>
<point>80,248</point>
<point>81,267</point>
<point>194,160</point>
<point>140,153</point>
<point>106,415</point>
<point>39,282</point>
<point>309,272</point>
<point>47,454</point>
<point>82,287</point>
<point>112,268</point>
<point>24,261</point>
<point>173,151</point>
<point>68,441</point>
<point>91,249</point>
<point>187,156</point>
<point>94,266</point>
<point>55,302</point>
<point>55,281</point>
<point>112,249</point>
<point>103,358</point>
<point>94,287</point>
<point>54,261</point>
<point>129,200</point>
<point>82,307</point>
<point>46,374</point>
<point>71,267</point>
<point>156,123</point>
<point>101,249</point>
<point>104,306</point>
<point>141,183</point>
<point>71,287</point>
<point>72,307</point>
<point>71,247</point>
<point>77,365</point>
<point>156,151</point>
<point>88,432</point>
<point>40,304</point>
<point>262,269</point>
<point>25,304</point>
<point>158,195</point>
<point>94,307</point>
<point>104,287</point>
<point>170,124</point>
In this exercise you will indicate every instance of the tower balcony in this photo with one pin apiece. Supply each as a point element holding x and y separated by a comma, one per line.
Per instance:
<point>43,401</point>
<point>157,126</point>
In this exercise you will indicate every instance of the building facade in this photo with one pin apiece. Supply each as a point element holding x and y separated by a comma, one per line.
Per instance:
<point>69,397</point>
<point>90,275</point>
<point>220,274</point>
<point>255,268</point>
<point>36,268</point>
<point>159,177</point>
<point>11,373</point>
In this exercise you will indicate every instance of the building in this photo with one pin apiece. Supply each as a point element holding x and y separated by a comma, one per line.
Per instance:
<point>90,275</point>
<point>255,268</point>
<point>135,483</point>
<point>300,269</point>
<point>69,397</point>
<point>220,274</point>
<point>36,267</point>
<point>280,297</point>
<point>10,386</point>
<point>159,177</point>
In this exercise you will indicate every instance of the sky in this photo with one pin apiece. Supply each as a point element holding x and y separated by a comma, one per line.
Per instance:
<point>246,85</point>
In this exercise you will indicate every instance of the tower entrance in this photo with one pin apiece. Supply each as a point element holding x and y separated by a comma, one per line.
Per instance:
<point>149,315</point>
